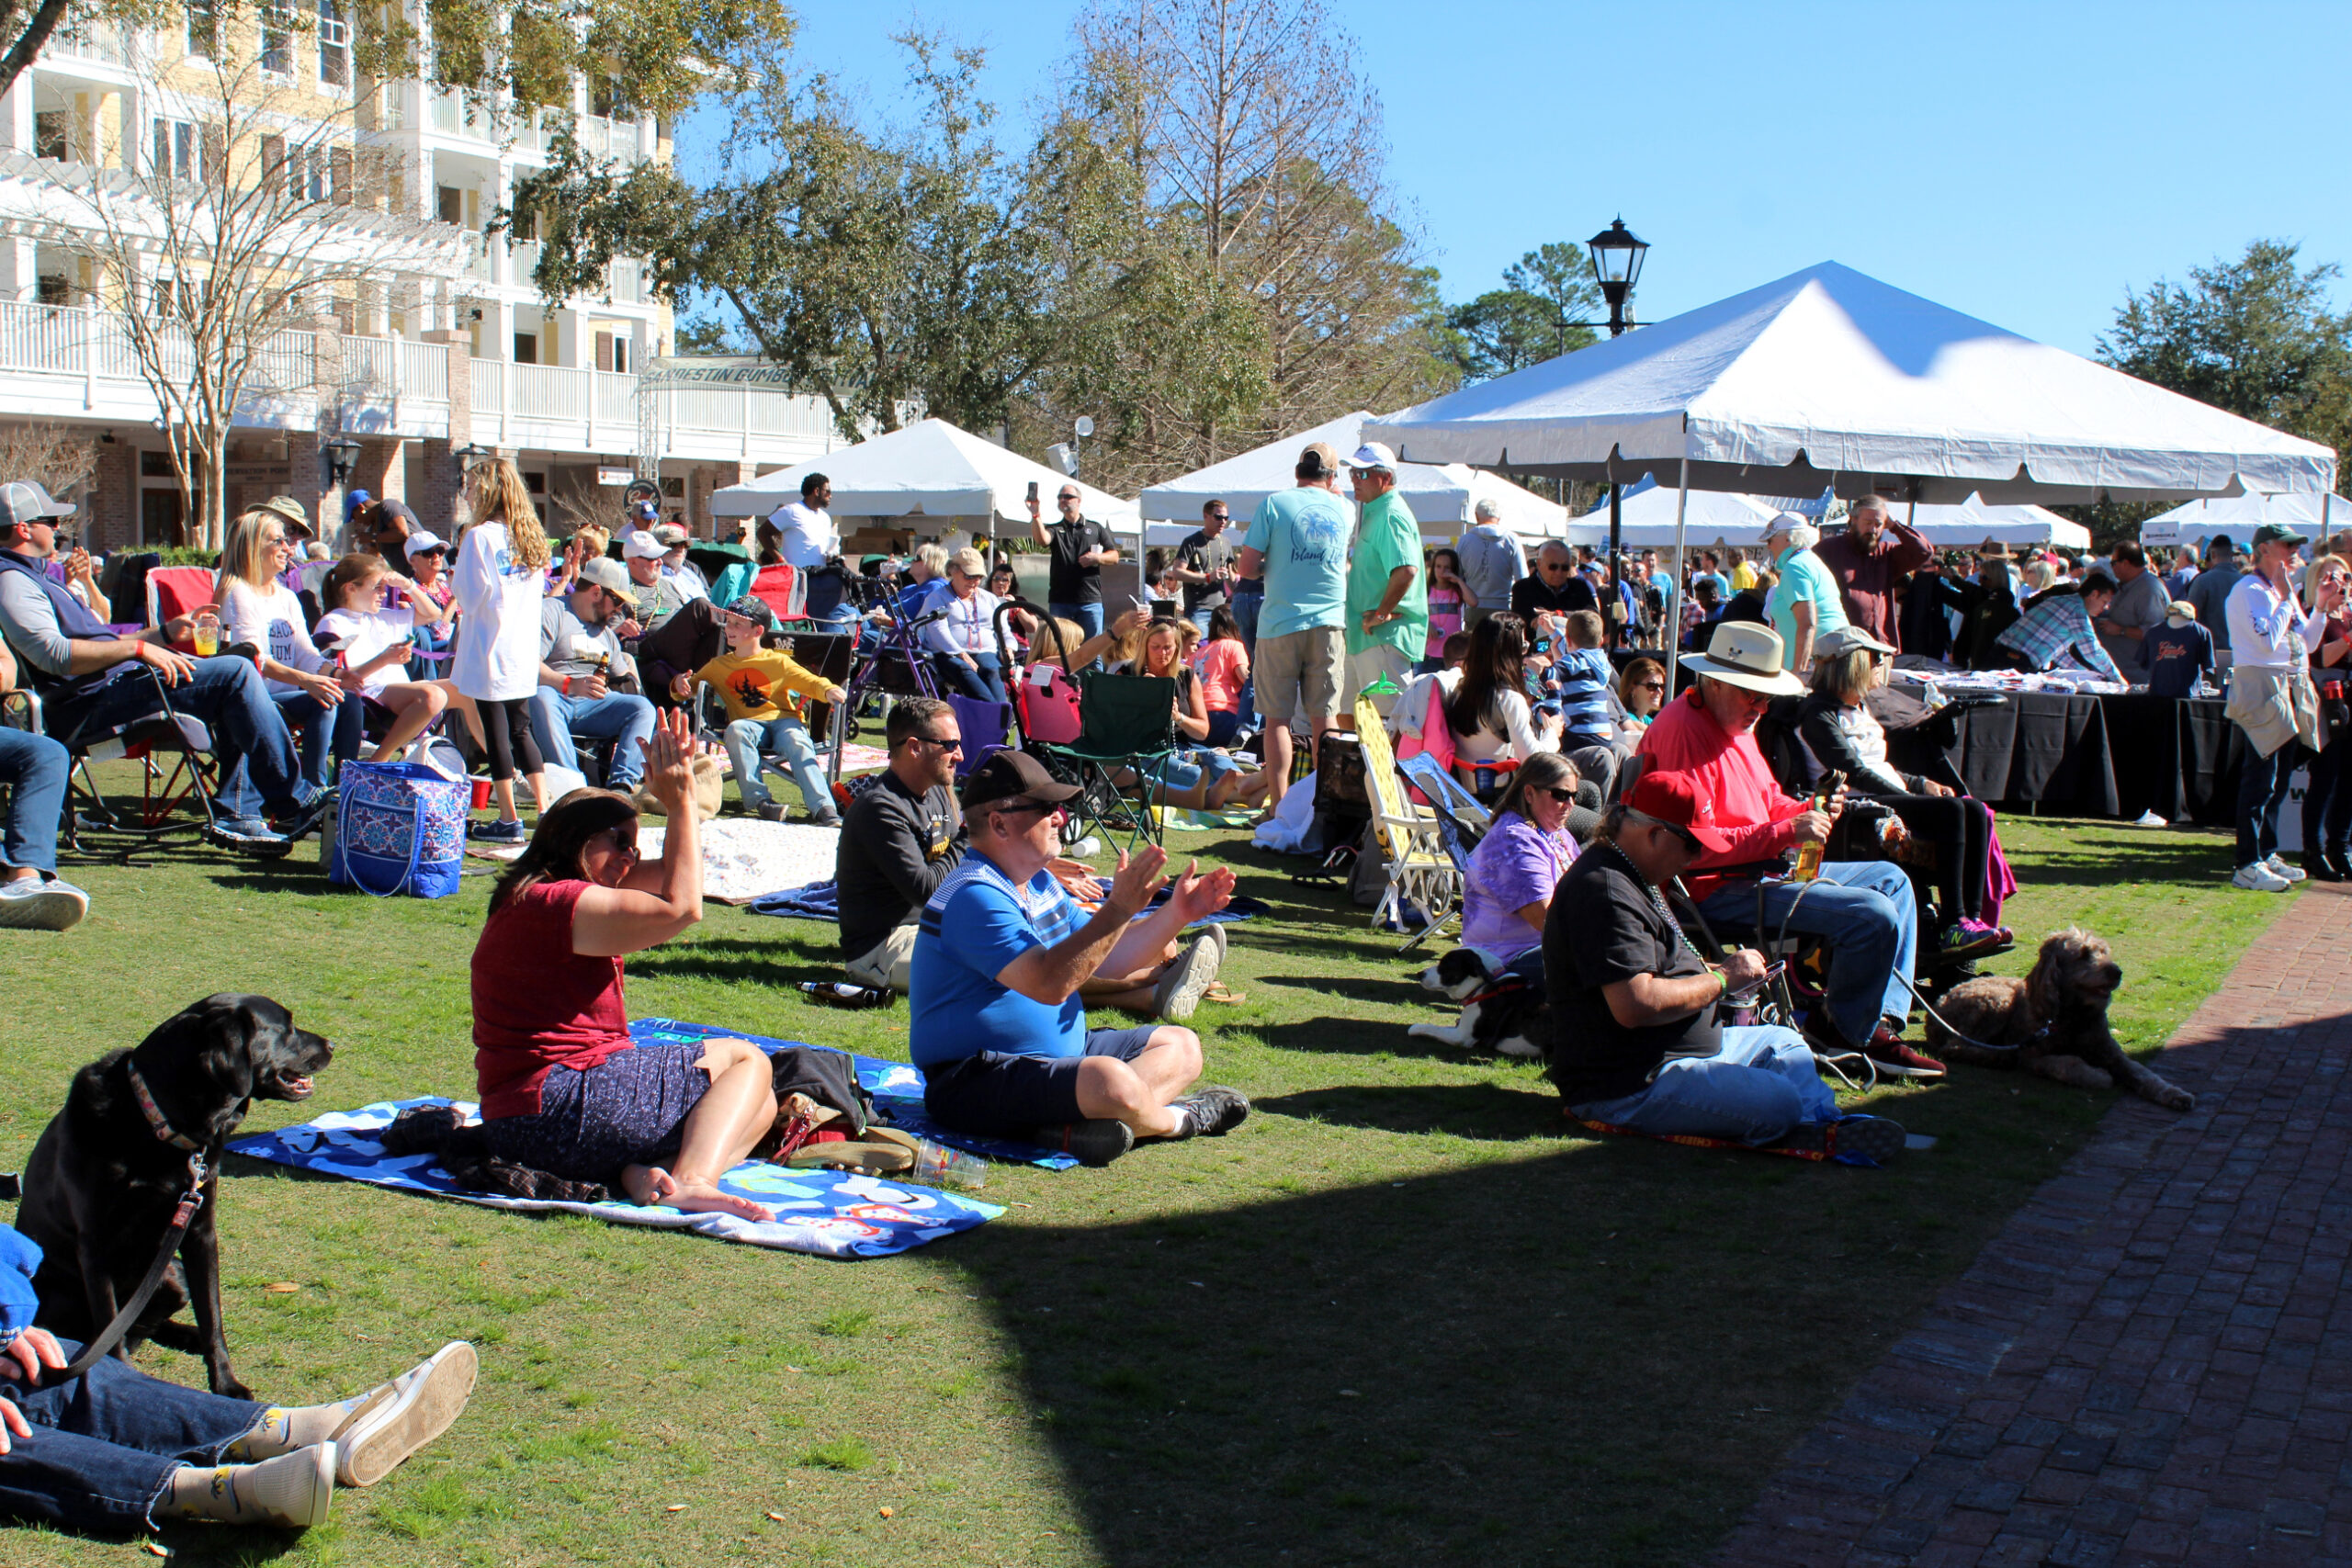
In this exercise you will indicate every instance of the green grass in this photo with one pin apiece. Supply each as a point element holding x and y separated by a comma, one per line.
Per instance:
<point>1396,1317</point>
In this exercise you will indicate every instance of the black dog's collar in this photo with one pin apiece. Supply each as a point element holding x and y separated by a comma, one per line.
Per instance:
<point>155,1115</point>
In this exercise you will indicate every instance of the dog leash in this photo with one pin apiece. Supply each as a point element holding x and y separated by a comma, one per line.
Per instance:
<point>182,1217</point>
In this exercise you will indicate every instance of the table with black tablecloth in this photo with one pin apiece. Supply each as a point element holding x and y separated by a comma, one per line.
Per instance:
<point>2115,755</point>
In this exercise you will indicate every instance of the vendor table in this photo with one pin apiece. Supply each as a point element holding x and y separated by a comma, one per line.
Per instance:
<point>2116,755</point>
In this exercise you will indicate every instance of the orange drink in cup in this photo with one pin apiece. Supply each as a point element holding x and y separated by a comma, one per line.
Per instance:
<point>207,631</point>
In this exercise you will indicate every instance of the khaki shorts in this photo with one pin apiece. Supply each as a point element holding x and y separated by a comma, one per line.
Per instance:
<point>1298,665</point>
<point>1366,668</point>
<point>887,963</point>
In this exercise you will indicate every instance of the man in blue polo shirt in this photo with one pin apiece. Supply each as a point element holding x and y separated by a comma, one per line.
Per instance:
<point>999,1029</point>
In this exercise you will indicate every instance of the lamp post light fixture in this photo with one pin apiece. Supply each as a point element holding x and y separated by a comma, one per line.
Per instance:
<point>1617,253</point>
<point>342,456</point>
<point>469,454</point>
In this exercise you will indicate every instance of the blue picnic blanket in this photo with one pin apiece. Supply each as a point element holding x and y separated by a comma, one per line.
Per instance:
<point>821,901</point>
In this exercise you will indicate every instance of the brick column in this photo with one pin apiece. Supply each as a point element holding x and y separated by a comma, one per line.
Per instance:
<point>110,519</point>
<point>706,478</point>
<point>307,472</point>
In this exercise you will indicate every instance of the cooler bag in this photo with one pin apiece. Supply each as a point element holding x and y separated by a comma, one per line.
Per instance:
<point>399,827</point>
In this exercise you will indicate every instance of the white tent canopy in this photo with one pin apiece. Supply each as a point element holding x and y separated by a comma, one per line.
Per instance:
<point>1830,377</point>
<point>1973,523</point>
<point>1646,513</point>
<point>928,471</point>
<point>1437,493</point>
<point>2317,513</point>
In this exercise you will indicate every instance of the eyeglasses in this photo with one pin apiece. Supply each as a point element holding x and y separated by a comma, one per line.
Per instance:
<point>1029,805</point>
<point>1069,497</point>
<point>1552,569</point>
<point>1565,797</point>
<point>1688,840</point>
<point>1649,685</point>
<point>1220,517</point>
<point>953,744</point>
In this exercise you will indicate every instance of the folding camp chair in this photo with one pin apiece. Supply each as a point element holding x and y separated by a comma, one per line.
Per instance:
<point>193,774</point>
<point>1127,723</point>
<point>987,729</point>
<point>177,591</point>
<point>1420,870</point>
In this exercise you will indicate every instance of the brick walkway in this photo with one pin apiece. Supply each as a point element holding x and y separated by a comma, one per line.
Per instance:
<point>2151,1362</point>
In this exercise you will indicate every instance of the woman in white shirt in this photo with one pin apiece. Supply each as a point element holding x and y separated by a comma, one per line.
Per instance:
<point>965,637</point>
<point>1488,713</point>
<point>372,638</point>
<point>499,578</point>
<point>259,611</point>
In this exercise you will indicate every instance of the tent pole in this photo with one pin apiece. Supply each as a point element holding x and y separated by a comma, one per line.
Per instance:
<point>1674,598</point>
<point>1615,622</point>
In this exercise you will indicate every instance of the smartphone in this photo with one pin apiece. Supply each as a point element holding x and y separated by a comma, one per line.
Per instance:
<point>1032,492</point>
<point>1772,972</point>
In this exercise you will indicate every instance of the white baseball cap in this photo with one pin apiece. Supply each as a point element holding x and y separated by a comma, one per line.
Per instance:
<point>1373,455</point>
<point>641,545</point>
<point>418,543</point>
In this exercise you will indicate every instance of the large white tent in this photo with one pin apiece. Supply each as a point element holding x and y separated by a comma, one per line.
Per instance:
<point>1973,523</point>
<point>930,476</point>
<point>2318,513</point>
<point>1646,517</point>
<point>1443,496</point>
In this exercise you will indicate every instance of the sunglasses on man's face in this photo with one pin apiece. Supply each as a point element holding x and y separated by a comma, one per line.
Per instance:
<point>951,745</point>
<point>1554,569</point>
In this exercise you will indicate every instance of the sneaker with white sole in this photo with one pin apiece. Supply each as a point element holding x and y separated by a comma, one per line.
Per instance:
<point>30,904</point>
<point>2284,869</point>
<point>423,1403</point>
<point>2258,878</point>
<point>1187,976</point>
<point>293,1491</point>
<point>2151,819</point>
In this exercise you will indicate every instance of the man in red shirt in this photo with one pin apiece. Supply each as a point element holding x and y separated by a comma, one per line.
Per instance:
<point>1863,909</point>
<point>1868,559</point>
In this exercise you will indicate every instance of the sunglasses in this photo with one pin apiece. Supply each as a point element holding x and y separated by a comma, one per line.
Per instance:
<point>1028,805</point>
<point>952,744</point>
<point>1565,797</point>
<point>1552,568</point>
<point>1650,686</point>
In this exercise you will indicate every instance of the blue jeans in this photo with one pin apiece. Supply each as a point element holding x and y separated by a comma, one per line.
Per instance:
<point>319,733</point>
<point>1224,725</point>
<point>2262,789</point>
<point>104,1446</point>
<point>1865,911</point>
<point>250,738</point>
<point>985,684</point>
<point>1087,616</point>
<point>787,738</point>
<point>34,768</point>
<point>1200,620</point>
<point>1246,603</point>
<point>1757,1085</point>
<point>555,718</point>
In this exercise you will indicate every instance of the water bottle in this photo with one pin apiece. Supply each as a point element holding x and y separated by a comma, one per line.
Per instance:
<point>842,994</point>
<point>937,1165</point>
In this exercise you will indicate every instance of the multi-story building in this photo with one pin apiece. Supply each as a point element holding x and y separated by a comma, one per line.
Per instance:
<point>457,355</point>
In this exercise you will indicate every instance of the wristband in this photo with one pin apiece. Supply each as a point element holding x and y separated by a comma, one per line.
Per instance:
<point>1723,985</point>
<point>567,685</point>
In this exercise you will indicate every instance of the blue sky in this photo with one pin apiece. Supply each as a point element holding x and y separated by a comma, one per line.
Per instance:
<point>2026,164</point>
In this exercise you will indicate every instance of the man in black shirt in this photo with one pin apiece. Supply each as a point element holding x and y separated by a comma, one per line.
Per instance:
<point>1634,1040</point>
<point>899,839</point>
<point>1552,588</point>
<point>1205,565</point>
<point>1080,546</point>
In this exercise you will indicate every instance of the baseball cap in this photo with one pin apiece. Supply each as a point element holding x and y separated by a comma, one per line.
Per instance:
<point>21,501</point>
<point>417,544</point>
<point>639,544</point>
<point>297,516</point>
<point>1838,641</point>
<point>609,575</point>
<point>1013,775</point>
<point>752,607</point>
<point>671,536</point>
<point>1677,800</point>
<point>2279,534</point>
<point>1373,455</point>
<point>1319,461</point>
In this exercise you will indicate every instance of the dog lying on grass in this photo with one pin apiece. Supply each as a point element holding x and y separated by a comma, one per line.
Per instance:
<point>104,1179</point>
<point>2056,1018</point>
<point>1502,1015</point>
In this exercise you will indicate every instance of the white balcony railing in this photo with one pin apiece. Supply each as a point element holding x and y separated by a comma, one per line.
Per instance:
<point>425,370</point>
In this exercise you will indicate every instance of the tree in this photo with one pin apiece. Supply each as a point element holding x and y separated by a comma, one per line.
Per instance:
<point>2253,336</point>
<point>1538,314</point>
<point>252,219</point>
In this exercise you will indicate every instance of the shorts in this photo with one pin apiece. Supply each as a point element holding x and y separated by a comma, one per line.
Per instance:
<point>1366,667</point>
<point>1003,1094</point>
<point>629,1108</point>
<point>1183,769</point>
<point>1299,665</point>
<point>887,963</point>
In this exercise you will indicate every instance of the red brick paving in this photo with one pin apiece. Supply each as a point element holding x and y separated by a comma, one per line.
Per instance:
<point>2151,1364</point>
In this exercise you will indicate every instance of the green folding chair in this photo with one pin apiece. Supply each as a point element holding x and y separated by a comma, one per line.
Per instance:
<point>1127,723</point>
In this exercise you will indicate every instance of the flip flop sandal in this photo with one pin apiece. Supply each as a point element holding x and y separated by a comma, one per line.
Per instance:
<point>1218,993</point>
<point>867,1159</point>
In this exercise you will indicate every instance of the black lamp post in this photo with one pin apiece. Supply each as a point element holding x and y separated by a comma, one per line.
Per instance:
<point>342,456</point>
<point>1617,255</point>
<point>469,454</point>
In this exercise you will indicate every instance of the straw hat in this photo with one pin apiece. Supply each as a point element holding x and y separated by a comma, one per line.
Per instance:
<point>1746,654</point>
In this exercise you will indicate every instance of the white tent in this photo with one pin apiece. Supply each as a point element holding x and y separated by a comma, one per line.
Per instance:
<point>1438,493</point>
<point>2319,514</point>
<point>930,476</point>
<point>1973,523</point>
<point>1646,513</point>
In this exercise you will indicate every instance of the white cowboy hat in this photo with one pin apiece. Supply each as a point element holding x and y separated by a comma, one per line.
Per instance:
<point>1746,654</point>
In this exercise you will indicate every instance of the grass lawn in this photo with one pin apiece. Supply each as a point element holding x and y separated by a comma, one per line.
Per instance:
<point>1397,1317</point>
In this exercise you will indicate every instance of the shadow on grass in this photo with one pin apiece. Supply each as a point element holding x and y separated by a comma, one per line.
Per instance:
<point>1483,1110</point>
<point>1354,1037</point>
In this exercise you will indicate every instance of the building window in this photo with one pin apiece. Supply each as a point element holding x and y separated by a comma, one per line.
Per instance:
<point>611,352</point>
<point>277,41</point>
<point>452,204</point>
<point>526,346</point>
<point>53,290</point>
<point>203,27</point>
<point>178,151</point>
<point>53,134</point>
<point>335,45</point>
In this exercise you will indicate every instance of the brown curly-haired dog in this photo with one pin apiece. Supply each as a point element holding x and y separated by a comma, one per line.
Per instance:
<point>2056,1017</point>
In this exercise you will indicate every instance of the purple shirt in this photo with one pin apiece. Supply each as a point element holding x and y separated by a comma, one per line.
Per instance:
<point>1516,864</point>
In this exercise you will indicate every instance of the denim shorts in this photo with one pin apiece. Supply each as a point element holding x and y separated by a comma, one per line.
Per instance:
<point>1002,1094</point>
<point>1183,770</point>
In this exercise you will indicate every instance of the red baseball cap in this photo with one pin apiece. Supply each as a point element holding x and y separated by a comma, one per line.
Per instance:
<point>1677,800</point>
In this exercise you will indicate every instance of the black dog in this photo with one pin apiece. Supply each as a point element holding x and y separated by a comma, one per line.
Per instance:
<point>103,1182</point>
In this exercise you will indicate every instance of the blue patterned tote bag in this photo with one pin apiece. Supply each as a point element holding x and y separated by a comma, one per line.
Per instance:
<point>399,828</point>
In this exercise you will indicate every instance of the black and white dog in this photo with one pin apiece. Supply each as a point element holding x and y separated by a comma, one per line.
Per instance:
<point>1502,1015</point>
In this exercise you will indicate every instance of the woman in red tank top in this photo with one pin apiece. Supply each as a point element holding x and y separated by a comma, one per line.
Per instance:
<point>563,1089</point>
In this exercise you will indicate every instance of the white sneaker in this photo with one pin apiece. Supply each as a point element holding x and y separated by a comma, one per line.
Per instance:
<point>2258,878</point>
<point>2151,819</point>
<point>2285,871</point>
<point>424,1401</point>
<point>32,905</point>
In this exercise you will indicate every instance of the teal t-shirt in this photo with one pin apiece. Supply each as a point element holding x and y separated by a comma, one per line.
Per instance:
<point>1803,577</point>
<point>1387,536</point>
<point>1304,534</point>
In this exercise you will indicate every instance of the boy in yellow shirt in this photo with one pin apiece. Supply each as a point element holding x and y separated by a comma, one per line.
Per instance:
<point>763,690</point>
